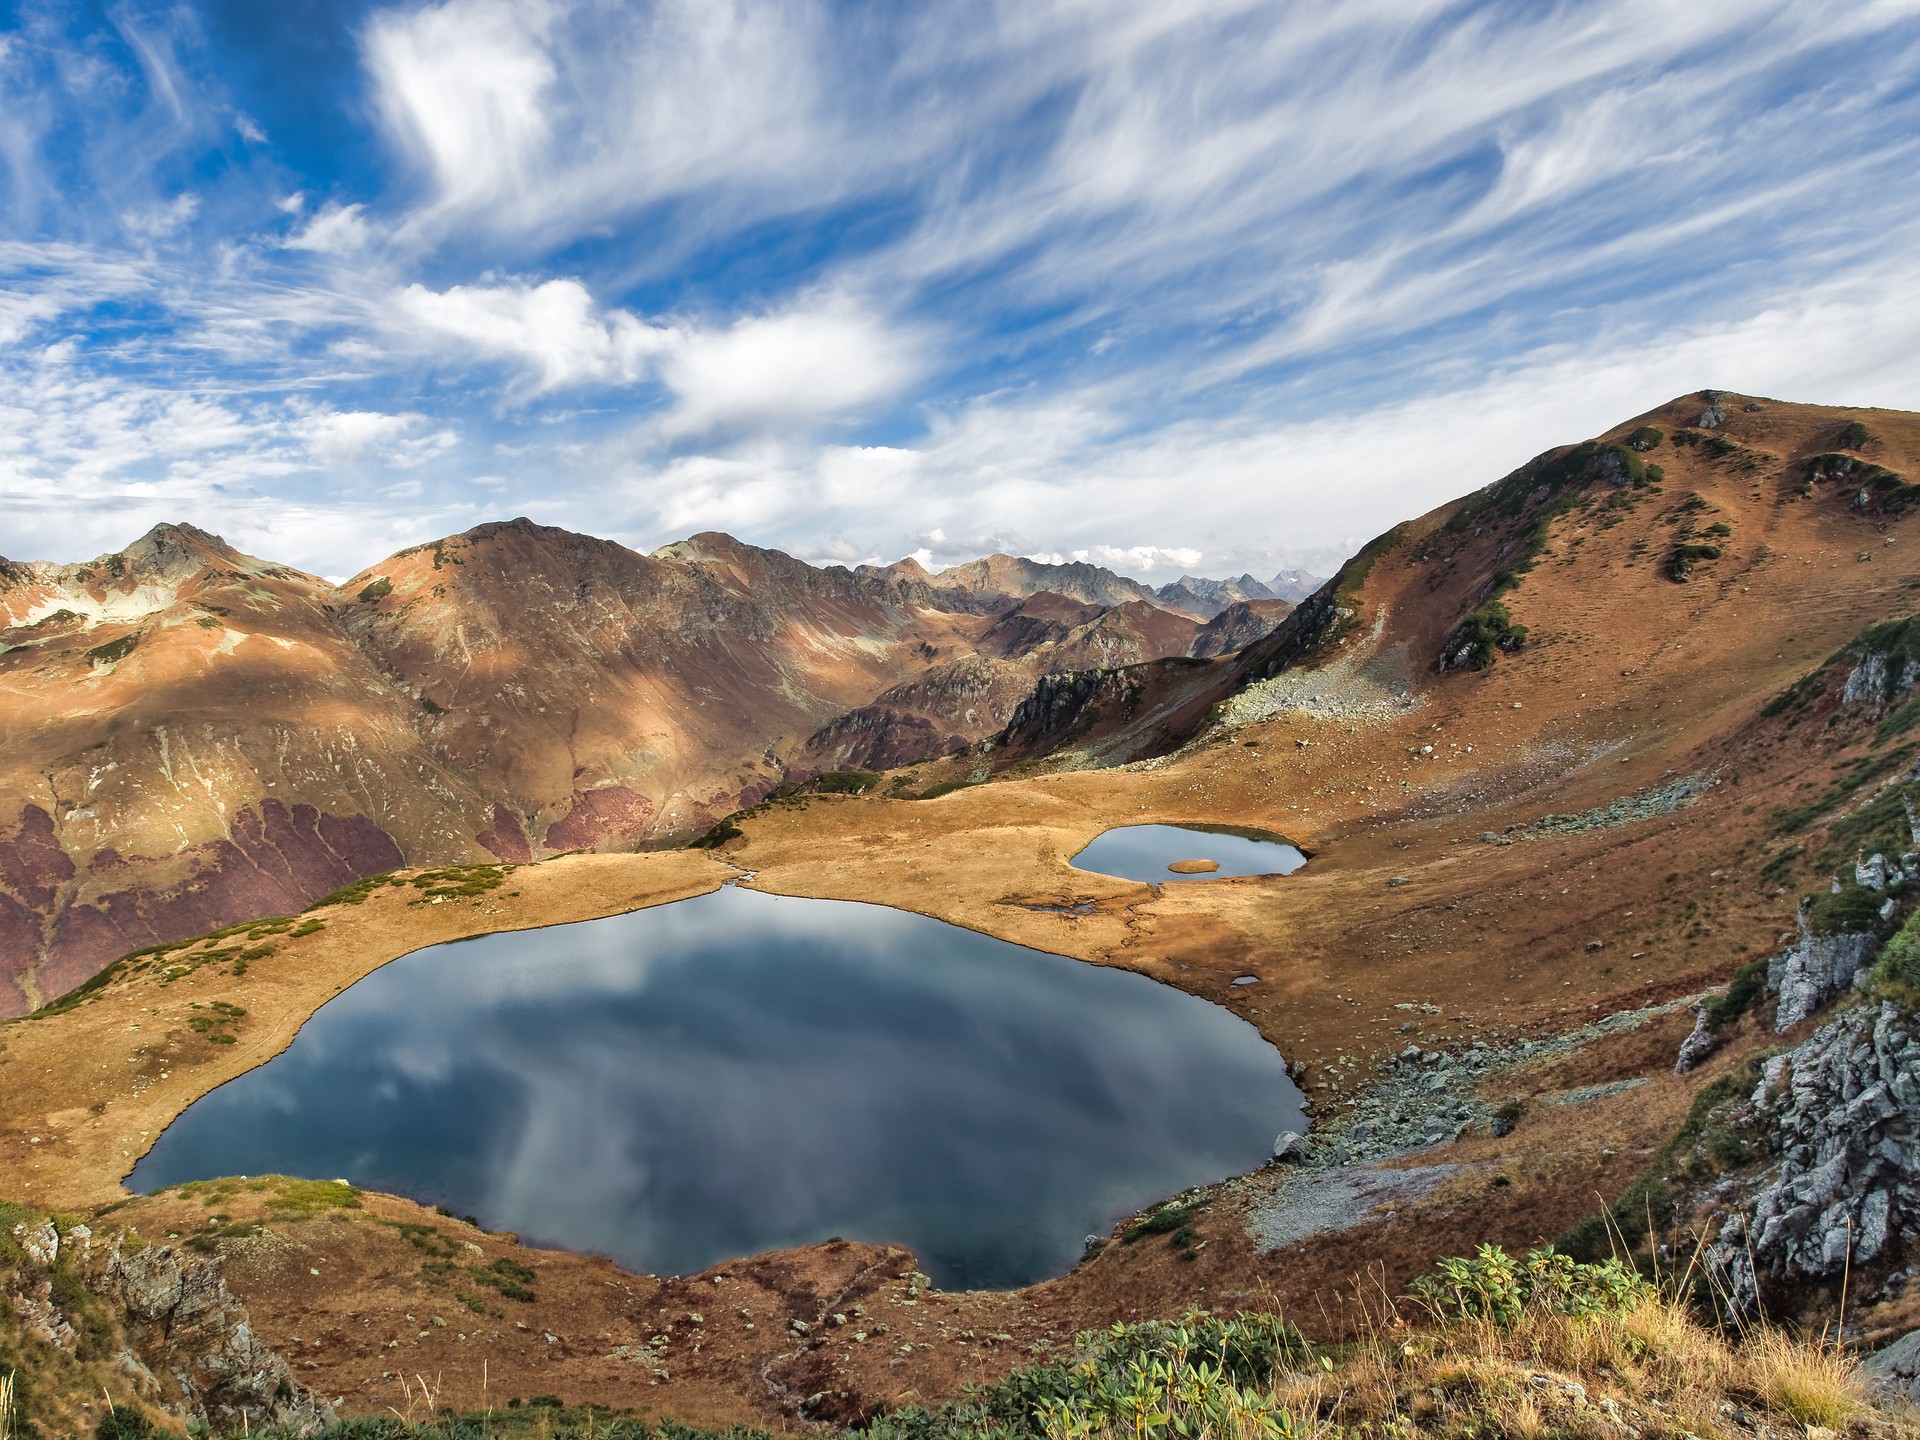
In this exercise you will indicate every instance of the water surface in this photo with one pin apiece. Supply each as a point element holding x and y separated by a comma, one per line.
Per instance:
<point>1143,852</point>
<point>745,1071</point>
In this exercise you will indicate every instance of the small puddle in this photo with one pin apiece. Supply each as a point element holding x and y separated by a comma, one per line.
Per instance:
<point>1147,853</point>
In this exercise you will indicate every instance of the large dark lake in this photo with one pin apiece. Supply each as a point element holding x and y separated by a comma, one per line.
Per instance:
<point>745,1071</point>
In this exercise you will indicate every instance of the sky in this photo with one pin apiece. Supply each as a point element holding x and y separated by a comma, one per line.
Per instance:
<point>1178,286</point>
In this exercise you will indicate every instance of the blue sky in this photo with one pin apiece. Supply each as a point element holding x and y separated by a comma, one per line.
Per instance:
<point>1208,286</point>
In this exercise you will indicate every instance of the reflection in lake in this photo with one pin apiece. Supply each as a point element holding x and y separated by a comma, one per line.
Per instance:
<point>745,1071</point>
<point>1143,852</point>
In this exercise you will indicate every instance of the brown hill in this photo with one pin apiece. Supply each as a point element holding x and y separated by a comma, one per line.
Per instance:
<point>196,737</point>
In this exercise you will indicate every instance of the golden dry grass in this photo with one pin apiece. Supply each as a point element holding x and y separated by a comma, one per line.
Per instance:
<point>1653,1369</point>
<point>1809,1381</point>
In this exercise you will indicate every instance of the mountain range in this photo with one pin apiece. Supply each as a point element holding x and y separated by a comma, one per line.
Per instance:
<point>194,736</point>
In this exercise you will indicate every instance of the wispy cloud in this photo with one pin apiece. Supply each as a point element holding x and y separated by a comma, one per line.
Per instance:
<point>1123,279</point>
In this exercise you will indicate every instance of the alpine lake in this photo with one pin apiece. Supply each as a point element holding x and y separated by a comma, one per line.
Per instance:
<point>743,1071</point>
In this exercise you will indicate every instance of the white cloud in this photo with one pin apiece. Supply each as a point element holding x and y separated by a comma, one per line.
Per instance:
<point>552,328</point>
<point>462,87</point>
<point>335,230</point>
<point>1139,558</point>
<point>348,437</point>
<point>811,362</point>
<point>547,119</point>
<point>819,360</point>
<point>161,221</point>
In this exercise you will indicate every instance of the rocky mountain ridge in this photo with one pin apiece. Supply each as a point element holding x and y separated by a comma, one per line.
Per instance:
<point>195,736</point>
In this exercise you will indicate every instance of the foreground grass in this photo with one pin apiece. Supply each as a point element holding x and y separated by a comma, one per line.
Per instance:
<point>1490,1347</point>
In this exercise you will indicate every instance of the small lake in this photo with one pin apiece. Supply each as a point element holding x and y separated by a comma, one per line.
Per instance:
<point>743,1071</point>
<point>1143,852</point>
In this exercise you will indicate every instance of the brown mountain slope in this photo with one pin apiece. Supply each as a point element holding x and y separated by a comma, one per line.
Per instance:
<point>1458,591</point>
<point>195,737</point>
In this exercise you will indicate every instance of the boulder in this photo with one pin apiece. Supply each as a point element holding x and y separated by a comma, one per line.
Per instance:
<point>1894,1373</point>
<point>1698,1045</point>
<point>1194,867</point>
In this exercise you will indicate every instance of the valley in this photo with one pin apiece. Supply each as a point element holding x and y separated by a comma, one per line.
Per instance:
<point>1573,757</point>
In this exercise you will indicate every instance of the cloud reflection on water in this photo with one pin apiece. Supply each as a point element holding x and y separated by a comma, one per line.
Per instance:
<point>744,1071</point>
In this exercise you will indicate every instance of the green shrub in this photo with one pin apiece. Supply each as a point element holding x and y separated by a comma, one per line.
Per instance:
<point>1898,968</point>
<point>376,590</point>
<point>719,835</point>
<point>845,782</point>
<point>1749,983</point>
<point>1645,438</point>
<point>1492,1285</point>
<point>1487,630</point>
<point>945,787</point>
<point>1854,436</point>
<point>1686,555</point>
<point>121,1423</point>
<point>1158,1380</point>
<point>113,650</point>
<point>1852,911</point>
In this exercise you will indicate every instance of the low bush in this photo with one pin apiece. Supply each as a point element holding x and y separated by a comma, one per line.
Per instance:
<point>1645,438</point>
<point>1492,1285</point>
<point>845,782</point>
<point>1686,555</point>
<point>113,651</point>
<point>1852,910</point>
<point>1897,971</point>
<point>1749,983</point>
<point>719,835</point>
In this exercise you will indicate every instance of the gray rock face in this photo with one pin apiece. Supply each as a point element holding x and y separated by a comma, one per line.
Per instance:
<point>41,1244</point>
<point>1697,1046</point>
<point>192,1325</point>
<point>1839,1113</point>
<point>1894,1373</point>
<point>1813,971</point>
<point>1712,418</point>
<point>1879,679</point>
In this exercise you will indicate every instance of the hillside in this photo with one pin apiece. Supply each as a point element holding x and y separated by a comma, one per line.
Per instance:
<point>195,737</point>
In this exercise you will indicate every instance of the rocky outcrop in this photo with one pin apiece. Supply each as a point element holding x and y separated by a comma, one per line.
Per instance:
<point>167,1320</point>
<point>1894,1372</point>
<point>1810,973</point>
<point>188,1323</point>
<point>1880,676</point>
<point>1063,707</point>
<point>1698,1045</point>
<point>1837,1118</point>
<point>1239,625</point>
